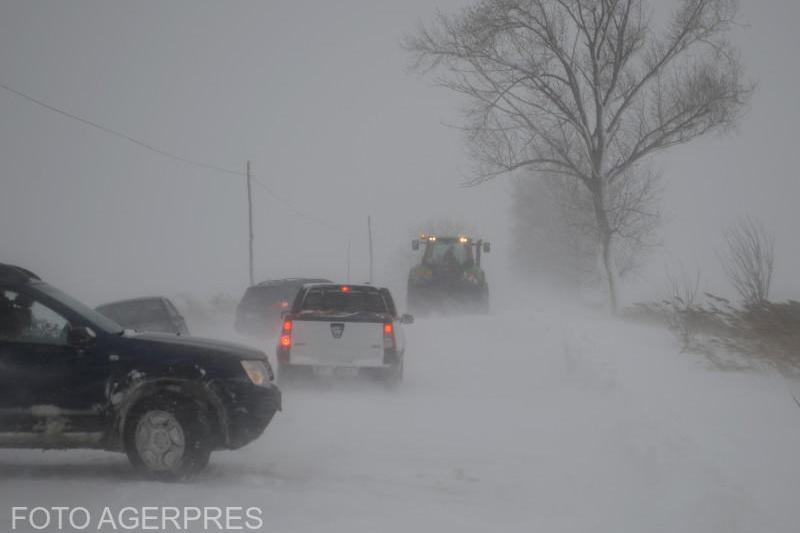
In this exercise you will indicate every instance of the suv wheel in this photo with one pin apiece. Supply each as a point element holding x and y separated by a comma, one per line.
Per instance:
<point>168,439</point>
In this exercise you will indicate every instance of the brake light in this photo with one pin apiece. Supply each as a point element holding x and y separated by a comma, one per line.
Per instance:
<point>345,288</point>
<point>285,342</point>
<point>388,337</point>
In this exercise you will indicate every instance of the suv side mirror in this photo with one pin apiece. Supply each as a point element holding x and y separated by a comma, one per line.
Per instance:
<point>406,319</point>
<point>81,337</point>
<point>487,247</point>
<point>415,245</point>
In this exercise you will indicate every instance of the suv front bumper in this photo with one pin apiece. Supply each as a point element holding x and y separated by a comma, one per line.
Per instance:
<point>250,412</point>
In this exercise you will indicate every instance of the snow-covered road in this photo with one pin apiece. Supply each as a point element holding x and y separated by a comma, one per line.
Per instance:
<point>549,420</point>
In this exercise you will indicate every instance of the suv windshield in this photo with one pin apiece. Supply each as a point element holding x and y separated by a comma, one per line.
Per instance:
<point>102,322</point>
<point>334,300</point>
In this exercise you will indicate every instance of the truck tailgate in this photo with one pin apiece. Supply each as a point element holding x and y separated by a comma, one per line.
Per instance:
<point>337,343</point>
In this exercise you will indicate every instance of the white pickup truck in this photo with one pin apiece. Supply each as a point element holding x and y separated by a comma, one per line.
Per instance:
<point>343,330</point>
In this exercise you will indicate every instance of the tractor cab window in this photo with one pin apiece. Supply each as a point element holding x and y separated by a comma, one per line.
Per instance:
<point>448,253</point>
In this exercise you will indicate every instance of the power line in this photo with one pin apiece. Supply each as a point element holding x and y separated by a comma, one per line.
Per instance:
<point>288,205</point>
<point>283,201</point>
<point>119,134</point>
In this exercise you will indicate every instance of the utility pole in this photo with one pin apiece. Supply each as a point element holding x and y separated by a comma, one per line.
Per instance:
<point>349,243</point>
<point>250,219</point>
<point>369,230</point>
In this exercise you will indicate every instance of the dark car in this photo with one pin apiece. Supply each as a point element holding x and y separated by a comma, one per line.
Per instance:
<point>259,311</point>
<point>157,314</point>
<point>72,378</point>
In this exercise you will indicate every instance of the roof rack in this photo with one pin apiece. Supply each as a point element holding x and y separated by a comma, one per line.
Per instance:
<point>365,285</point>
<point>291,280</point>
<point>15,274</point>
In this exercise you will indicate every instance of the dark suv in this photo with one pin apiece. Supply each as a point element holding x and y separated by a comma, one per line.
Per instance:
<point>72,378</point>
<point>259,312</point>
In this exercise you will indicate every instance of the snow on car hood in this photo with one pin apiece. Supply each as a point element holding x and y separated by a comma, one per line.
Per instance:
<point>224,348</point>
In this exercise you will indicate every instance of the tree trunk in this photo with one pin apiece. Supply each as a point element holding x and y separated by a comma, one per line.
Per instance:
<point>609,268</point>
<point>605,236</point>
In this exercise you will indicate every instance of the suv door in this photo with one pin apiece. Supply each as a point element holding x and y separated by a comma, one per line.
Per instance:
<point>52,393</point>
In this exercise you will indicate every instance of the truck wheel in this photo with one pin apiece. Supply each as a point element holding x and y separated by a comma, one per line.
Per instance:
<point>285,374</point>
<point>168,439</point>
<point>393,375</point>
<point>483,306</point>
<point>415,301</point>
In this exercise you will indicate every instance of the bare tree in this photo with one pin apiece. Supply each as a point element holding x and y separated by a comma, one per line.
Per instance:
<point>568,223</point>
<point>586,90</point>
<point>749,260</point>
<point>549,234</point>
<point>682,306</point>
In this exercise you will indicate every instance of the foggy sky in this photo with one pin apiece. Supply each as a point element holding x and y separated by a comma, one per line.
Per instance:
<point>317,95</point>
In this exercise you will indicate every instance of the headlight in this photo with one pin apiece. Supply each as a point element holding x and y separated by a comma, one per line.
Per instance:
<point>258,372</point>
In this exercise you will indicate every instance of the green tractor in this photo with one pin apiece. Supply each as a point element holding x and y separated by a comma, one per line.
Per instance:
<point>449,275</point>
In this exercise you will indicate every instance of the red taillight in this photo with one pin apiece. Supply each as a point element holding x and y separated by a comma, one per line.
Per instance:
<point>345,288</point>
<point>285,342</point>
<point>286,335</point>
<point>388,336</point>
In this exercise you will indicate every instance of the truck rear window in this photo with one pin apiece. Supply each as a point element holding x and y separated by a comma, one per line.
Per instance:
<point>333,300</point>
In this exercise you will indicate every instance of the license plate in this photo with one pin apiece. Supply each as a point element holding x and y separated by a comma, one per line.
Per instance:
<point>335,371</point>
<point>346,372</point>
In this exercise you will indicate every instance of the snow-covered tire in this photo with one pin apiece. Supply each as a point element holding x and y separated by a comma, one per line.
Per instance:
<point>286,374</point>
<point>168,438</point>
<point>393,376</point>
<point>416,302</point>
<point>484,303</point>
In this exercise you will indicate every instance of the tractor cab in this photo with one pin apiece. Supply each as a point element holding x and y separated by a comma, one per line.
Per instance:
<point>449,274</point>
